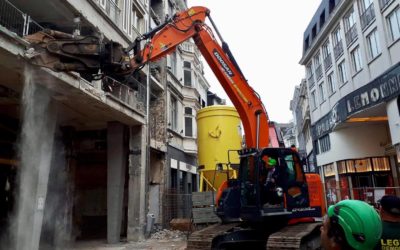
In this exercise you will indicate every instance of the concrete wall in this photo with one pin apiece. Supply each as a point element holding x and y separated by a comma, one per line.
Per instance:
<point>356,142</point>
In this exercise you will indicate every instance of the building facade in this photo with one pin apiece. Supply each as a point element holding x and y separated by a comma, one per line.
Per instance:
<point>351,55</point>
<point>300,108</point>
<point>118,145</point>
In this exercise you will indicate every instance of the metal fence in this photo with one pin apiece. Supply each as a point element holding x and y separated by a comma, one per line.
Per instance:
<point>176,205</point>
<point>370,195</point>
<point>16,21</point>
<point>132,96</point>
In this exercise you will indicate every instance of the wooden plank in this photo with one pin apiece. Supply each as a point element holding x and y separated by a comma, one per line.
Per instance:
<point>204,215</point>
<point>202,198</point>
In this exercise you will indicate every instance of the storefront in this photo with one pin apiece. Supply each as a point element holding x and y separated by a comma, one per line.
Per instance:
<point>365,179</point>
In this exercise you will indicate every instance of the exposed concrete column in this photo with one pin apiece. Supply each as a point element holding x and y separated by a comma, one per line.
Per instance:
<point>116,164</point>
<point>137,184</point>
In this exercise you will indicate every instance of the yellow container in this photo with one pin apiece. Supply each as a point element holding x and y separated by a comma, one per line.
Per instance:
<point>218,131</point>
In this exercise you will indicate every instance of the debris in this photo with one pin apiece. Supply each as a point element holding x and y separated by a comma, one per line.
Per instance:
<point>166,234</point>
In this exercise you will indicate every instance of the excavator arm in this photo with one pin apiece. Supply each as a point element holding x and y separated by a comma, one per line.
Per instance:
<point>88,55</point>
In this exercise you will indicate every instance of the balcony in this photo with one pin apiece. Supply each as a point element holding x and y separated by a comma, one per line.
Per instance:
<point>338,50</point>
<point>327,62</point>
<point>155,17</point>
<point>384,3</point>
<point>318,72</point>
<point>190,145</point>
<point>16,21</point>
<point>367,16</point>
<point>351,35</point>
<point>311,81</point>
<point>131,96</point>
<point>111,9</point>
<point>190,48</point>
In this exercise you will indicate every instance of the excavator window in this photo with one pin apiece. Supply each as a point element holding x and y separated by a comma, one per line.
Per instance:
<point>248,180</point>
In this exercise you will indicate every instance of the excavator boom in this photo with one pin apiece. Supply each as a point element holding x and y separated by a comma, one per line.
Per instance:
<point>88,55</point>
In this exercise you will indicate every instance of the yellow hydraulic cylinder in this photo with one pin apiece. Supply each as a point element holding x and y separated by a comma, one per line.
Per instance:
<point>218,131</point>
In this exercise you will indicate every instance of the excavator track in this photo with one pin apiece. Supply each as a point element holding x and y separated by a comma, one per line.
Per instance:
<point>202,239</point>
<point>300,236</point>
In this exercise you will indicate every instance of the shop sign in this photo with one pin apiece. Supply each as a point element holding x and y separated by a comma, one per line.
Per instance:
<point>381,89</point>
<point>329,121</point>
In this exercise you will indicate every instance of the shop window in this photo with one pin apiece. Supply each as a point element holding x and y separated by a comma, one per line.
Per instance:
<point>350,166</point>
<point>363,165</point>
<point>329,170</point>
<point>341,167</point>
<point>381,164</point>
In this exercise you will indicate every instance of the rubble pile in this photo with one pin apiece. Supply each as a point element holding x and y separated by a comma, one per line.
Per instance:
<point>166,234</point>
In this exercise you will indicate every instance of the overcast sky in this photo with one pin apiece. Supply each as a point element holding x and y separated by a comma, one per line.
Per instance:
<point>266,38</point>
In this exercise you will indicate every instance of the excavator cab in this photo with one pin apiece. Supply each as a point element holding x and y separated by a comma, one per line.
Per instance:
<point>271,183</point>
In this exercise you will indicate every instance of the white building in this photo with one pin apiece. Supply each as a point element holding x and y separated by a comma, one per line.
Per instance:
<point>352,59</point>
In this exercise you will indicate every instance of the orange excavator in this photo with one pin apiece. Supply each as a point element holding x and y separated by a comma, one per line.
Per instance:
<point>272,204</point>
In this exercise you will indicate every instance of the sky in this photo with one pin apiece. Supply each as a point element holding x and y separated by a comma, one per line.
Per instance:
<point>266,39</point>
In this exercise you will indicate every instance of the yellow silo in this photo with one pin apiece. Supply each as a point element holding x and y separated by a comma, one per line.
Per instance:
<point>218,132</point>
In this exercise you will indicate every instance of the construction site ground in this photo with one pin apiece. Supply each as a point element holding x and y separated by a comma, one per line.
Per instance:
<point>170,244</point>
<point>163,239</point>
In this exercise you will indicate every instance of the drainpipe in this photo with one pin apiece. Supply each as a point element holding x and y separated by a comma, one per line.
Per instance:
<point>148,138</point>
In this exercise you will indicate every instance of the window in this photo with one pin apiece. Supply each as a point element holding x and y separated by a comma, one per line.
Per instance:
<point>337,38</point>
<point>342,72</point>
<point>373,44</point>
<point>173,109</point>
<point>365,4</point>
<point>367,12</point>
<point>306,44</point>
<point>103,3</point>
<point>187,74</point>
<point>316,147</point>
<point>188,122</point>
<point>173,62</point>
<point>317,65</point>
<point>126,23</point>
<point>326,54</point>
<point>313,100</point>
<point>331,5</point>
<point>322,92</point>
<point>138,22</point>
<point>349,20</point>
<point>322,19</point>
<point>350,27</point>
<point>331,83</point>
<point>326,50</point>
<point>337,42</point>
<point>325,143</point>
<point>317,60</point>
<point>393,20</point>
<point>309,70</point>
<point>356,59</point>
<point>314,32</point>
